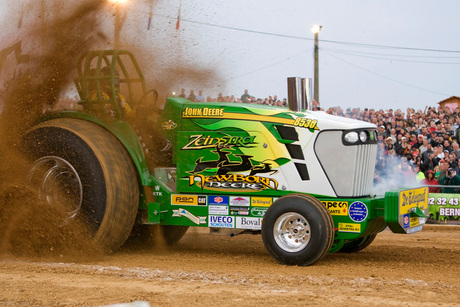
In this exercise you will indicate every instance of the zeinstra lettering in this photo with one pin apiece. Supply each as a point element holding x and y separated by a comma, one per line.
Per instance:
<point>234,181</point>
<point>202,112</point>
<point>201,141</point>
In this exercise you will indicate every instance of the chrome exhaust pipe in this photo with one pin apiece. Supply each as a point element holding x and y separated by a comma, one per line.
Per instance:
<point>299,94</point>
<point>294,94</point>
<point>307,93</point>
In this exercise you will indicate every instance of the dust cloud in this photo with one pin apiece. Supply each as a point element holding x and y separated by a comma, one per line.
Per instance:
<point>45,58</point>
<point>28,226</point>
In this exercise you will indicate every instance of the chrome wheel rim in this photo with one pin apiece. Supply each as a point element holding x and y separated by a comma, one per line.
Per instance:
<point>57,182</point>
<point>292,232</point>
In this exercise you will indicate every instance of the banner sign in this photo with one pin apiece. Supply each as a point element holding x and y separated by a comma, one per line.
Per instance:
<point>444,208</point>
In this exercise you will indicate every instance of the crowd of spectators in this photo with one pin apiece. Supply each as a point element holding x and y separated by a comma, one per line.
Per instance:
<point>414,147</point>
<point>245,98</point>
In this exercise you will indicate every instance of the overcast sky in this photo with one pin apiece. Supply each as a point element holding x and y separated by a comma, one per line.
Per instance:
<point>377,54</point>
<point>371,74</point>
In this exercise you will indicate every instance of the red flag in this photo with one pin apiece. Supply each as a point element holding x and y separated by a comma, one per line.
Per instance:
<point>178,16</point>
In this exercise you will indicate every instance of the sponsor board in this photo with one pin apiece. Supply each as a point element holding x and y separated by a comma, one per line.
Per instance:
<point>336,207</point>
<point>218,210</point>
<point>188,200</point>
<point>406,220</point>
<point>258,211</point>
<point>254,223</point>
<point>261,201</point>
<point>239,210</point>
<point>414,229</point>
<point>218,200</point>
<point>240,201</point>
<point>184,213</point>
<point>219,221</point>
<point>358,211</point>
<point>349,227</point>
<point>409,199</point>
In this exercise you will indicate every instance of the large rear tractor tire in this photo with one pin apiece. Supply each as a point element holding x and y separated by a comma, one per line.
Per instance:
<point>85,168</point>
<point>297,230</point>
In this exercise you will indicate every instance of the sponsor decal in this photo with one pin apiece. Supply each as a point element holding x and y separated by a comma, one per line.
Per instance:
<point>261,201</point>
<point>184,213</point>
<point>202,112</point>
<point>227,172</point>
<point>254,223</point>
<point>221,221</point>
<point>233,181</point>
<point>357,211</point>
<point>414,221</point>
<point>188,200</point>
<point>169,125</point>
<point>336,207</point>
<point>218,210</point>
<point>310,124</point>
<point>217,200</point>
<point>349,227</point>
<point>414,229</point>
<point>406,220</point>
<point>409,199</point>
<point>239,210</point>
<point>240,201</point>
<point>306,123</point>
<point>157,191</point>
<point>200,141</point>
<point>258,211</point>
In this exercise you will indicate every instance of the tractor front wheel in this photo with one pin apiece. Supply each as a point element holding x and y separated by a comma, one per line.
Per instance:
<point>297,230</point>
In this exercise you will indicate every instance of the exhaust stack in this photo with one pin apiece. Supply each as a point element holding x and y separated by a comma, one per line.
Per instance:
<point>299,94</point>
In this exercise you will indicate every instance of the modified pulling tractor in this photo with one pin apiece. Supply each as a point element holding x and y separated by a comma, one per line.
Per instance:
<point>302,179</point>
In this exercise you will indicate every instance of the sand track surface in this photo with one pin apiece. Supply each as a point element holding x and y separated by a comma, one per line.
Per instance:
<point>396,270</point>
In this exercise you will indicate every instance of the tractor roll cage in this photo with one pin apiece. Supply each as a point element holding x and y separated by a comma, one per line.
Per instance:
<point>97,88</point>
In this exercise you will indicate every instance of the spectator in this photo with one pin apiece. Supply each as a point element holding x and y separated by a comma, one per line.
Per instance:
<point>430,180</point>
<point>182,93</point>
<point>429,163</point>
<point>443,167</point>
<point>418,142</point>
<point>424,147</point>
<point>191,96</point>
<point>419,175</point>
<point>452,179</point>
<point>200,97</point>
<point>245,96</point>
<point>456,148</point>
<point>407,172</point>
<point>389,145</point>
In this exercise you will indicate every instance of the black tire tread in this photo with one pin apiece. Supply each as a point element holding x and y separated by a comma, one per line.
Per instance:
<point>122,189</point>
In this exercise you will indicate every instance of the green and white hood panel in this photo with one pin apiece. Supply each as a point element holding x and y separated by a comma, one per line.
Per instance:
<point>260,150</point>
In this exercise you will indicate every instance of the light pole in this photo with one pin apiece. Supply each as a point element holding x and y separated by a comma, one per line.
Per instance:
<point>315,29</point>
